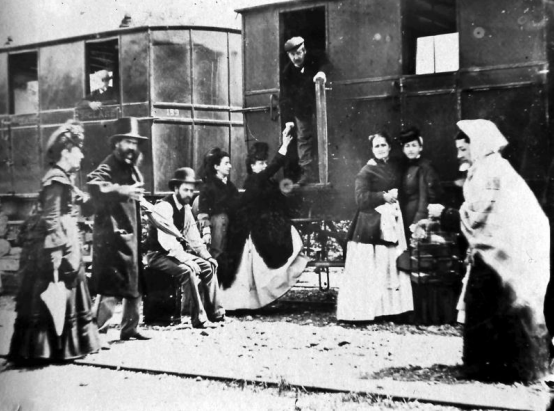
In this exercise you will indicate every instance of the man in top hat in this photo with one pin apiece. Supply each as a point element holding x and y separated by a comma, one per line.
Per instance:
<point>101,96</point>
<point>189,261</point>
<point>116,186</point>
<point>298,101</point>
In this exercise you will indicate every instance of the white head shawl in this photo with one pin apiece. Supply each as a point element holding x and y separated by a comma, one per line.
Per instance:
<point>484,136</point>
<point>502,219</point>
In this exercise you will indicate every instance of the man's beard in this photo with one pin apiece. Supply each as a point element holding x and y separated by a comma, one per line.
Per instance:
<point>128,155</point>
<point>184,200</point>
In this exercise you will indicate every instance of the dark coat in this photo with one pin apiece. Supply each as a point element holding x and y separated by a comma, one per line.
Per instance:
<point>262,213</point>
<point>116,262</point>
<point>371,183</point>
<point>217,197</point>
<point>298,89</point>
<point>420,187</point>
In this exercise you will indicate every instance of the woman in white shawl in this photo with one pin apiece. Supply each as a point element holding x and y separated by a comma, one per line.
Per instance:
<point>505,336</point>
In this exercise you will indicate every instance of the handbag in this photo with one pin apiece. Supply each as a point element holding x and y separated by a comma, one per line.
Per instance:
<point>365,227</point>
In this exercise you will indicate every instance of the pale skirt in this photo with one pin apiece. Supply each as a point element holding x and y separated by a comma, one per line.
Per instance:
<point>256,285</point>
<point>371,284</point>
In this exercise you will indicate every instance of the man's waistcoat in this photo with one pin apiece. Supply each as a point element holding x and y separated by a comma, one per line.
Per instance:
<point>152,243</point>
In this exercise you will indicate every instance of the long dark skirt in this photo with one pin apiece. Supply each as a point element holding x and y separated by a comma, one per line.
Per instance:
<point>502,342</point>
<point>34,336</point>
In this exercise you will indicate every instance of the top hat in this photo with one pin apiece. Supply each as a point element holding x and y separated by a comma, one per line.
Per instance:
<point>126,127</point>
<point>293,43</point>
<point>104,75</point>
<point>183,175</point>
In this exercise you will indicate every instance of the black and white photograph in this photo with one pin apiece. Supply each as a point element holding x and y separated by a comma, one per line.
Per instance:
<point>287,205</point>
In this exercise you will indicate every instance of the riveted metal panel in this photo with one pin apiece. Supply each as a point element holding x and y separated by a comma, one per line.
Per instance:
<point>5,159</point>
<point>261,50</point>
<point>259,125</point>
<point>136,110</point>
<point>364,38</point>
<point>206,138</point>
<point>61,71</point>
<point>351,124</point>
<point>235,69</point>
<point>96,146</point>
<point>238,151</point>
<point>56,117</point>
<point>171,74</point>
<point>497,33</point>
<point>520,114</point>
<point>4,83</point>
<point>134,67</point>
<point>171,148</point>
<point>435,116</point>
<point>210,68</point>
<point>26,160</point>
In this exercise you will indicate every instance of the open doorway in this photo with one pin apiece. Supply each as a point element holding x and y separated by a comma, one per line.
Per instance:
<point>310,24</point>
<point>23,72</point>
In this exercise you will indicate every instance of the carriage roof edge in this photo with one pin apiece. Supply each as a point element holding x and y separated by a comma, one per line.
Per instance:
<point>109,33</point>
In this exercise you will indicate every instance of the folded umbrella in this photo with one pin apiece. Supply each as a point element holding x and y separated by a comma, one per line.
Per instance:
<point>54,298</point>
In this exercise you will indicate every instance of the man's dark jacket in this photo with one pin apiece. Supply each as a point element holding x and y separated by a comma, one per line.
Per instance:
<point>298,87</point>
<point>116,262</point>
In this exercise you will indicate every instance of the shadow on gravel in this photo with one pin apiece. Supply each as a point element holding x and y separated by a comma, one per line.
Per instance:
<point>434,373</point>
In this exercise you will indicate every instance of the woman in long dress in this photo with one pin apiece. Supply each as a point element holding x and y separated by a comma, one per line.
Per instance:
<point>372,286</point>
<point>420,184</point>
<point>266,246</point>
<point>217,203</point>
<point>51,260</point>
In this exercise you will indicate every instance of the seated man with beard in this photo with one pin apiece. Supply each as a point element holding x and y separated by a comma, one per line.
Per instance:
<point>189,261</point>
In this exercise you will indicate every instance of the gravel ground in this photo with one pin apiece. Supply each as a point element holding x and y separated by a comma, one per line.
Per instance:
<point>72,387</point>
<point>286,342</point>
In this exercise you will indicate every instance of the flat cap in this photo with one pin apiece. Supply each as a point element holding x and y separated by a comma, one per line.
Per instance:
<point>293,43</point>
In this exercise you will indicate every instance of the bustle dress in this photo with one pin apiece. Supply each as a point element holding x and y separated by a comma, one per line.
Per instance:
<point>263,244</point>
<point>51,240</point>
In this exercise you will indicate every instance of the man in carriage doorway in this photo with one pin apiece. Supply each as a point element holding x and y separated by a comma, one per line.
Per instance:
<point>298,103</point>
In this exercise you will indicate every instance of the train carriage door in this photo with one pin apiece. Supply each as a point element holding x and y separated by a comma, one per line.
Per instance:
<point>310,25</point>
<point>261,77</point>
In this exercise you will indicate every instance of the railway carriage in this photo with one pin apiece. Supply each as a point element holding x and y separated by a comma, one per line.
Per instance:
<point>182,82</point>
<point>401,63</point>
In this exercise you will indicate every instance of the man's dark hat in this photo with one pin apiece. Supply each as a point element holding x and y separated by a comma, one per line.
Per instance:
<point>183,175</point>
<point>293,43</point>
<point>126,127</point>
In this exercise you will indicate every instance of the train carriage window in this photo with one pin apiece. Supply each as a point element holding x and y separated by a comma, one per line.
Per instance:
<point>102,80</point>
<point>23,73</point>
<point>430,37</point>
